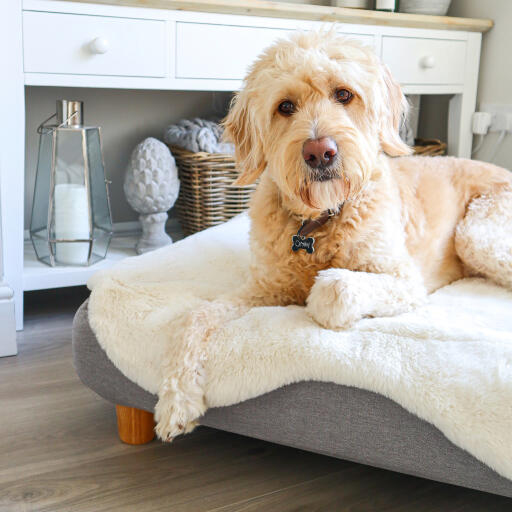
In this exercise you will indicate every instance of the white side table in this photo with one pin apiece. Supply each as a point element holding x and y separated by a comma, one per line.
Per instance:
<point>72,43</point>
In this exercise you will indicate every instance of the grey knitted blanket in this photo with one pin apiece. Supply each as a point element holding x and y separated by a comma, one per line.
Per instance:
<point>197,135</point>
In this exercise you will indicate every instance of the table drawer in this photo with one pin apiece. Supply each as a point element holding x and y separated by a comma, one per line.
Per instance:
<point>219,51</point>
<point>222,52</point>
<point>93,45</point>
<point>425,61</point>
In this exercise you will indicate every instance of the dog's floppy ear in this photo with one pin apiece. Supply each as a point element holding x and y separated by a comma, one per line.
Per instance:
<point>395,109</point>
<point>240,127</point>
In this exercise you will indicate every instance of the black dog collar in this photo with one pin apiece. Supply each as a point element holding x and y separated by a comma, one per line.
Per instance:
<point>301,239</point>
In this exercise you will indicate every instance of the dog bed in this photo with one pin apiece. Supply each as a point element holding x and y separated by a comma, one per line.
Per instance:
<point>449,363</point>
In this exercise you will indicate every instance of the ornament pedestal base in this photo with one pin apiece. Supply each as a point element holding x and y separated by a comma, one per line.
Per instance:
<point>153,233</point>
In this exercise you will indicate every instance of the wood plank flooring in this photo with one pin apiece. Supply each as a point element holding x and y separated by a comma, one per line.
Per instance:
<point>59,451</point>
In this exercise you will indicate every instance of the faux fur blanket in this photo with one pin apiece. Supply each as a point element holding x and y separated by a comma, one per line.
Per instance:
<point>449,362</point>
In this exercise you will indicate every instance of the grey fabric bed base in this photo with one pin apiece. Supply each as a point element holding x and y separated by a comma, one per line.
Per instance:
<point>338,421</point>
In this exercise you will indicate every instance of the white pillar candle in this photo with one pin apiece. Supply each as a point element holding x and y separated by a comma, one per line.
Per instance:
<point>71,223</point>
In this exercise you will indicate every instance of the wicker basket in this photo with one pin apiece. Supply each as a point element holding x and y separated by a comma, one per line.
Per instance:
<point>206,196</point>
<point>429,147</point>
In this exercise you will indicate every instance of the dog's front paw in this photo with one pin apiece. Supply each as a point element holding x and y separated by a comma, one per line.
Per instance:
<point>172,422</point>
<point>175,414</point>
<point>332,302</point>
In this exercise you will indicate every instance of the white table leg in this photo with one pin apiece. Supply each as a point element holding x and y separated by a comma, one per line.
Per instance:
<point>7,324</point>
<point>462,106</point>
<point>12,150</point>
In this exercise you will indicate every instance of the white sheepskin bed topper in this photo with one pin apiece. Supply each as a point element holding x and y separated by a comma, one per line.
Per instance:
<point>449,362</point>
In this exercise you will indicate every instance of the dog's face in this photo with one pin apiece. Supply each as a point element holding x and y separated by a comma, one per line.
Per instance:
<point>316,111</point>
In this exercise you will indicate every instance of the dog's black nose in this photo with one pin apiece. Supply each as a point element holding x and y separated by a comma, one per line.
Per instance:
<point>319,152</point>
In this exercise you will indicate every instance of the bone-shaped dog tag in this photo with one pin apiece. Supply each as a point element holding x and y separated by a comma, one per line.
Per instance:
<point>300,242</point>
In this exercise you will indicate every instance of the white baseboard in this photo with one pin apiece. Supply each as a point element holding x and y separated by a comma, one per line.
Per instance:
<point>8,345</point>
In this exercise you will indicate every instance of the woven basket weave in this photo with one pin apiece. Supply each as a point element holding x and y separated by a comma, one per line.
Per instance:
<point>429,147</point>
<point>206,196</point>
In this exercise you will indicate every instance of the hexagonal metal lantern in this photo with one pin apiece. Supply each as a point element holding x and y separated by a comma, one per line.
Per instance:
<point>71,220</point>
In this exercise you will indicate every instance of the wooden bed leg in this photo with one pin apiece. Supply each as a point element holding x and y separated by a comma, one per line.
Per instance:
<point>135,426</point>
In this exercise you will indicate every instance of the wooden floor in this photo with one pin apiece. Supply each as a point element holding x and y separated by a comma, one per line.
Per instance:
<point>59,451</point>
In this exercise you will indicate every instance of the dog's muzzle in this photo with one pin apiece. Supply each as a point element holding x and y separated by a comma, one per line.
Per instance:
<point>324,174</point>
<point>320,155</point>
<point>319,152</point>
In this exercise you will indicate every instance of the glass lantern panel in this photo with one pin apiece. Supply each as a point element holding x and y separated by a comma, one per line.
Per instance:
<point>39,220</point>
<point>99,198</point>
<point>102,221</point>
<point>70,219</point>
<point>101,241</point>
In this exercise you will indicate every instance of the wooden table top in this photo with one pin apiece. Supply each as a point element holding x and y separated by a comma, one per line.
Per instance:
<point>309,12</point>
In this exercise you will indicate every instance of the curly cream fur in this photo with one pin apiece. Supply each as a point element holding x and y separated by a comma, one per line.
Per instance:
<point>181,394</point>
<point>394,238</point>
<point>483,238</point>
<point>399,215</point>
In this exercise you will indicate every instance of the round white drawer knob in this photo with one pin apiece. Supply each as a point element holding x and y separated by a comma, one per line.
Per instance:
<point>99,45</point>
<point>427,62</point>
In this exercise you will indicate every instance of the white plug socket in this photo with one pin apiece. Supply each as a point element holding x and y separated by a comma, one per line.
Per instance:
<point>501,117</point>
<point>481,122</point>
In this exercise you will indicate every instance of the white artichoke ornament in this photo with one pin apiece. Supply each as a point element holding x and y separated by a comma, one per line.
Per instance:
<point>151,186</point>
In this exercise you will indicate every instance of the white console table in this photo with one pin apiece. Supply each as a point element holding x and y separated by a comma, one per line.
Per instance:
<point>194,45</point>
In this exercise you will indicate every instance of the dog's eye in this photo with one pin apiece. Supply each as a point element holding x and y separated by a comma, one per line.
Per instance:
<point>286,107</point>
<point>343,95</point>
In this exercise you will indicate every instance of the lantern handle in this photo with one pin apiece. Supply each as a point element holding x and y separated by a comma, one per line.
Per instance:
<point>43,130</point>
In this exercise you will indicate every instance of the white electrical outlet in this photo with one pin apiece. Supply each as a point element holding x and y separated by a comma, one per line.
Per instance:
<point>501,116</point>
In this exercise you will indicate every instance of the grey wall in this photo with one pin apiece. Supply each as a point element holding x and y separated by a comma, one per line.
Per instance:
<point>495,78</point>
<point>126,118</point>
<point>433,121</point>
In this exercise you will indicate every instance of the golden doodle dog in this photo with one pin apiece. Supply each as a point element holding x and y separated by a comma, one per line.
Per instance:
<point>317,121</point>
<point>336,224</point>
